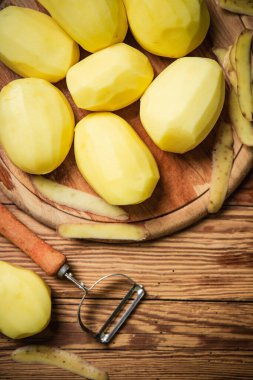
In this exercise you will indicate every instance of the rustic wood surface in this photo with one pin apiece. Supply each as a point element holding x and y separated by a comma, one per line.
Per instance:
<point>196,321</point>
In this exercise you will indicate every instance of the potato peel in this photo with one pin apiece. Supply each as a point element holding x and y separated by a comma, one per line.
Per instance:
<point>104,231</point>
<point>232,56</point>
<point>60,358</point>
<point>77,199</point>
<point>224,59</point>
<point>244,7</point>
<point>243,71</point>
<point>242,126</point>
<point>223,155</point>
<point>220,53</point>
<point>240,80</point>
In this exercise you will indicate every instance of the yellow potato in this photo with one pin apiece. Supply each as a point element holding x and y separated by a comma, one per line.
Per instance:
<point>33,45</point>
<point>25,302</point>
<point>94,24</point>
<point>170,28</point>
<point>183,103</point>
<point>110,79</point>
<point>114,160</point>
<point>36,124</point>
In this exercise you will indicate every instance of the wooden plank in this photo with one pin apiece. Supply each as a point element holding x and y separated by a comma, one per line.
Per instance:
<point>158,325</point>
<point>211,260</point>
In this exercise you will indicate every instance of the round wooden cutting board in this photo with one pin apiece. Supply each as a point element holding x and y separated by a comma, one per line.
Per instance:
<point>181,195</point>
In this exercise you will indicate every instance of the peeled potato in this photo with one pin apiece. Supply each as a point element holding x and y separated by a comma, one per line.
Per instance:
<point>25,302</point>
<point>170,28</point>
<point>36,125</point>
<point>183,103</point>
<point>94,24</point>
<point>110,79</point>
<point>114,160</point>
<point>33,45</point>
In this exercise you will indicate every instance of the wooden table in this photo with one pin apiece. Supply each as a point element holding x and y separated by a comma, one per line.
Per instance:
<point>196,321</point>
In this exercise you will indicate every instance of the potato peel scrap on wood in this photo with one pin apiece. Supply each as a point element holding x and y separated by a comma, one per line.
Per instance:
<point>244,7</point>
<point>60,358</point>
<point>223,156</point>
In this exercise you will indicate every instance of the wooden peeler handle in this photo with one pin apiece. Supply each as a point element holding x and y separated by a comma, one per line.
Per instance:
<point>48,258</point>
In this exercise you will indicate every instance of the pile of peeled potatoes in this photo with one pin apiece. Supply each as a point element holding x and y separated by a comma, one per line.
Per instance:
<point>177,109</point>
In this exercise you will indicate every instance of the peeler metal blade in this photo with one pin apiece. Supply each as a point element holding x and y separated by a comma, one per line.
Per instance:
<point>105,337</point>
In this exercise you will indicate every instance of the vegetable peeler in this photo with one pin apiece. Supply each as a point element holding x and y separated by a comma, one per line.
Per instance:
<point>53,262</point>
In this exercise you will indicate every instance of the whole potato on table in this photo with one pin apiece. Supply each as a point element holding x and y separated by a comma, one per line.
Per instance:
<point>25,302</point>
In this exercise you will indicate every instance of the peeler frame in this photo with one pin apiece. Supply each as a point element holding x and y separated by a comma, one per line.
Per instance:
<point>103,336</point>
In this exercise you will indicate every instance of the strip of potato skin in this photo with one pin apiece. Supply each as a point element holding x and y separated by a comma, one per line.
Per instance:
<point>103,231</point>
<point>223,56</point>
<point>232,55</point>
<point>220,54</point>
<point>223,156</point>
<point>242,126</point>
<point>243,71</point>
<point>244,7</point>
<point>77,199</point>
<point>60,358</point>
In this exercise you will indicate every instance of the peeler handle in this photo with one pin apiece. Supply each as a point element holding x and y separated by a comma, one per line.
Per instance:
<point>49,259</point>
